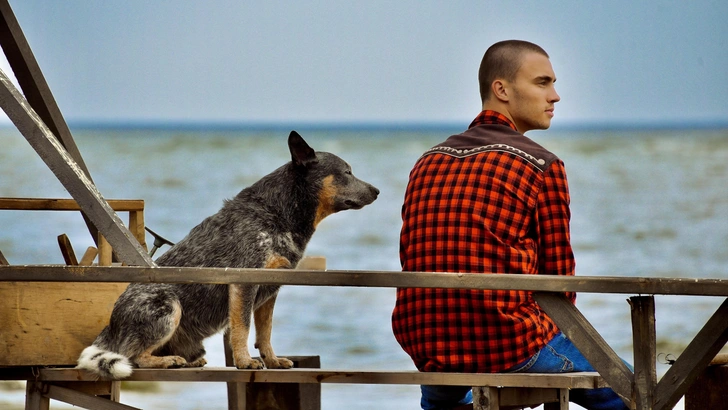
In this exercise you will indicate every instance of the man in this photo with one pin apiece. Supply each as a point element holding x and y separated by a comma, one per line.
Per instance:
<point>491,200</point>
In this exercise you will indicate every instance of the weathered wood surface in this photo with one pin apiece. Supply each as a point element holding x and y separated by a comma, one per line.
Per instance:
<point>693,360</point>
<point>589,342</point>
<point>50,323</point>
<point>719,360</point>
<point>84,400</point>
<point>709,390</point>
<point>591,284</point>
<point>644,345</point>
<point>71,176</point>
<point>585,380</point>
<point>62,204</point>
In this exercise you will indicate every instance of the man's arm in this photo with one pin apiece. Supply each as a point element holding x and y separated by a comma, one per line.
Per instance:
<point>555,254</point>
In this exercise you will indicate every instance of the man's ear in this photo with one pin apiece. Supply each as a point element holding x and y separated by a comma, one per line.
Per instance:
<point>500,90</point>
<point>301,154</point>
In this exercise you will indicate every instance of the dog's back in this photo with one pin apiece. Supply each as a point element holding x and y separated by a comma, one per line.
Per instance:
<point>267,225</point>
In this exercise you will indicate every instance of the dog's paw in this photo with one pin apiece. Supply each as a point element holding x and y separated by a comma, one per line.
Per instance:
<point>201,362</point>
<point>249,364</point>
<point>173,362</point>
<point>279,363</point>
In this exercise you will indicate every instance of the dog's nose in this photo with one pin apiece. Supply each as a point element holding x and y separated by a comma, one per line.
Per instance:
<point>375,190</point>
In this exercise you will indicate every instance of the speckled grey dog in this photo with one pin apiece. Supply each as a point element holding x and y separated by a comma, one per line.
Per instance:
<point>267,225</point>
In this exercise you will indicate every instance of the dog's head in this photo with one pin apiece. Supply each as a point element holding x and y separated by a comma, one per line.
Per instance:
<point>338,188</point>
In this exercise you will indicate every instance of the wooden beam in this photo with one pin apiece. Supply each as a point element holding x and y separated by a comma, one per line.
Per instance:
<point>383,279</point>
<point>589,342</point>
<point>584,380</point>
<point>58,204</point>
<point>70,175</point>
<point>693,360</point>
<point>84,400</point>
<point>643,340</point>
<point>3,261</point>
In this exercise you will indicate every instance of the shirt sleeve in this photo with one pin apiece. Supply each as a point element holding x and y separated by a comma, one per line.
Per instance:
<point>555,253</point>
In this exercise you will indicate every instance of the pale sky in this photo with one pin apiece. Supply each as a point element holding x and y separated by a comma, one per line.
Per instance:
<point>389,61</point>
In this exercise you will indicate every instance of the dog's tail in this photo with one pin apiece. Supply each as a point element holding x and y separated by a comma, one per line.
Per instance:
<point>107,364</point>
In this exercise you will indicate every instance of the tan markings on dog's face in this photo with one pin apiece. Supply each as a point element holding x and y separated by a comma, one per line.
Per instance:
<point>326,200</point>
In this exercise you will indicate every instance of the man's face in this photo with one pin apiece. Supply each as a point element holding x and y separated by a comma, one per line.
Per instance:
<point>533,93</point>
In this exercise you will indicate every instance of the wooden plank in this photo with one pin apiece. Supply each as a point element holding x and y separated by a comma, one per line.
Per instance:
<point>3,261</point>
<point>643,340</point>
<point>709,391</point>
<point>34,398</point>
<point>693,360</point>
<point>512,396</point>
<point>719,360</point>
<point>84,400</point>
<point>70,175</point>
<point>589,342</point>
<point>486,398</point>
<point>69,256</point>
<point>581,380</point>
<point>235,391</point>
<point>670,286</point>
<point>88,257</point>
<point>50,323</point>
<point>59,204</point>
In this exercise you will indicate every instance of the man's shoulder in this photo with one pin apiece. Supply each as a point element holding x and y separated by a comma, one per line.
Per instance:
<point>495,138</point>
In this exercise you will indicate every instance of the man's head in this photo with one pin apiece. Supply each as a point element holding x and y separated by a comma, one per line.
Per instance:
<point>517,80</point>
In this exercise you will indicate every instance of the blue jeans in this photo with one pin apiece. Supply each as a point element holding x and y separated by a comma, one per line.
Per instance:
<point>558,356</point>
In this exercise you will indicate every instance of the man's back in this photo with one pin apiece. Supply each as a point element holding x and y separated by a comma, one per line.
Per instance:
<point>477,203</point>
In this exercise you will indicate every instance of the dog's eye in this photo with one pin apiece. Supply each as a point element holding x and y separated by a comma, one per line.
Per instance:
<point>347,172</point>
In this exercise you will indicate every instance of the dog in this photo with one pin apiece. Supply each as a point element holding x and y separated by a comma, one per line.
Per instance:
<point>267,225</point>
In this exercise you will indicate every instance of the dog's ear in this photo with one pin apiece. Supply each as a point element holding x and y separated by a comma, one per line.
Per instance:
<point>301,153</point>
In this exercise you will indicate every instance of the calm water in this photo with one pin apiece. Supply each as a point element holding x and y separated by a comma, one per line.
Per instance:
<point>643,203</point>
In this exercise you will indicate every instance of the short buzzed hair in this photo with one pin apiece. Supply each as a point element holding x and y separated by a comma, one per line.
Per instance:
<point>502,61</point>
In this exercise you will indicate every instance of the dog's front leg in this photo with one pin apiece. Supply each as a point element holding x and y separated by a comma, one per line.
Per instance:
<point>263,326</point>
<point>241,299</point>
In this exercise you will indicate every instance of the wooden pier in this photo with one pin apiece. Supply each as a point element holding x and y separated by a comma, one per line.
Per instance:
<point>35,114</point>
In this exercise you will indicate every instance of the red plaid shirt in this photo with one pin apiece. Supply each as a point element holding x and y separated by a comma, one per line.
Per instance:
<point>489,200</point>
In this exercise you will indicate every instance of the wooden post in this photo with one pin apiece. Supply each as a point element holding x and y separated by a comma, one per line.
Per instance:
<point>136,226</point>
<point>643,340</point>
<point>105,252</point>
<point>485,398</point>
<point>242,396</point>
<point>693,360</point>
<point>34,398</point>
<point>709,390</point>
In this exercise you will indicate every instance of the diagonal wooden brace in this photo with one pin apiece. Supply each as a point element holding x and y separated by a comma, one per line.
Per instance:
<point>71,175</point>
<point>589,342</point>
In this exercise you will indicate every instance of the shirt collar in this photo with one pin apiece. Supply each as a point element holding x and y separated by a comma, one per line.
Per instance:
<point>492,117</point>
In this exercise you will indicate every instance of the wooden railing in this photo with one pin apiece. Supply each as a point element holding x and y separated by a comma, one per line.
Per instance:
<point>640,389</point>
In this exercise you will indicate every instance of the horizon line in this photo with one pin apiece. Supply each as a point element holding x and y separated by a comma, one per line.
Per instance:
<point>390,125</point>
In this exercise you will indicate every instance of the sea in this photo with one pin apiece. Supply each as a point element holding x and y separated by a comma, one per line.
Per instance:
<point>645,203</point>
